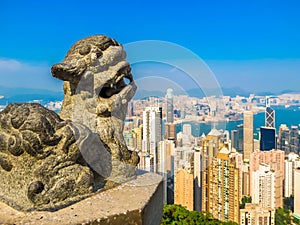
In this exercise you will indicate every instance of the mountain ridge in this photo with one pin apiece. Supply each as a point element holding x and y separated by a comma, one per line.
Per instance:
<point>19,94</point>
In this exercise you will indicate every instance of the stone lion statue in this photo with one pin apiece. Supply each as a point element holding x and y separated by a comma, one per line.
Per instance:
<point>48,161</point>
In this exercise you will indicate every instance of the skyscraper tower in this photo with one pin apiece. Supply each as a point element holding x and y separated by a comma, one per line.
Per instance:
<point>197,179</point>
<point>170,131</point>
<point>294,139</point>
<point>151,129</point>
<point>263,187</point>
<point>290,165</point>
<point>270,117</point>
<point>267,138</point>
<point>152,118</point>
<point>284,138</point>
<point>270,114</point>
<point>275,160</point>
<point>184,188</point>
<point>248,134</point>
<point>221,193</point>
<point>240,137</point>
<point>268,133</point>
<point>170,108</point>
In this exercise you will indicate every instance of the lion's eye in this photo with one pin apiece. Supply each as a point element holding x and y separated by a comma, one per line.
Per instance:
<point>84,50</point>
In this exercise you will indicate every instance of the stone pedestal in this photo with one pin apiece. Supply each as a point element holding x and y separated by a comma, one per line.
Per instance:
<point>139,202</point>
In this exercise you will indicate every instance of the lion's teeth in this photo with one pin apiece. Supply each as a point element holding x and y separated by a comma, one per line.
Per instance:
<point>119,78</point>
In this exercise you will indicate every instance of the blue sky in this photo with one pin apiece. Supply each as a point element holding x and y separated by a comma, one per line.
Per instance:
<point>251,44</point>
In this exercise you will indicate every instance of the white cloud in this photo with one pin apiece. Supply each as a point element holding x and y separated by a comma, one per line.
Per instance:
<point>14,73</point>
<point>10,65</point>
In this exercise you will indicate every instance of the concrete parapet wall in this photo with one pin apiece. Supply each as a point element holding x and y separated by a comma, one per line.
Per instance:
<point>138,202</point>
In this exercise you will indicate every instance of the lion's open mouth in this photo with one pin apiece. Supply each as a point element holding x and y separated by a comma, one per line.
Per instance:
<point>120,81</point>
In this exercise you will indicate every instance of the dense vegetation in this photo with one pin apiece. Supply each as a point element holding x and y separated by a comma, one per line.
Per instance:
<point>245,199</point>
<point>284,216</point>
<point>178,215</point>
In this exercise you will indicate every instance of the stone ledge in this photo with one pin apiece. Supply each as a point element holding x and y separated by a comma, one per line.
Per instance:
<point>139,202</point>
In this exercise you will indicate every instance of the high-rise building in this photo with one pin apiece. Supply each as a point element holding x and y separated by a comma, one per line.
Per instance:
<point>237,138</point>
<point>294,139</point>
<point>165,164</point>
<point>248,134</point>
<point>220,195</point>
<point>289,139</point>
<point>263,187</point>
<point>234,139</point>
<point>146,162</point>
<point>240,136</point>
<point>274,159</point>
<point>188,164</point>
<point>270,117</point>
<point>182,156</point>
<point>297,193</point>
<point>288,178</point>
<point>170,131</point>
<point>137,134</point>
<point>290,165</point>
<point>197,179</point>
<point>170,107</point>
<point>269,114</point>
<point>184,188</point>
<point>151,129</point>
<point>254,214</point>
<point>284,138</point>
<point>209,150</point>
<point>246,179</point>
<point>152,123</point>
<point>237,159</point>
<point>267,138</point>
<point>185,137</point>
<point>168,147</point>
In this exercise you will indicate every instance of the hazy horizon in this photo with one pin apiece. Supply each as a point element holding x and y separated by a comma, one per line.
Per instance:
<point>253,45</point>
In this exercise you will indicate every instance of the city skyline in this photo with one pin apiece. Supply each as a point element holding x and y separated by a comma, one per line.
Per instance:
<point>211,173</point>
<point>240,42</point>
<point>234,157</point>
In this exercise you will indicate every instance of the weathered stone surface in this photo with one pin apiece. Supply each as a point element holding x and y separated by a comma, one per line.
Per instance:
<point>48,161</point>
<point>96,94</point>
<point>40,159</point>
<point>137,202</point>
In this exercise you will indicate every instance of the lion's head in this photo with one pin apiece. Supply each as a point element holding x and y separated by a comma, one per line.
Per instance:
<point>98,86</point>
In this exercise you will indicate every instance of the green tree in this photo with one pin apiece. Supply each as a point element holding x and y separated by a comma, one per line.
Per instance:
<point>245,199</point>
<point>282,216</point>
<point>178,215</point>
